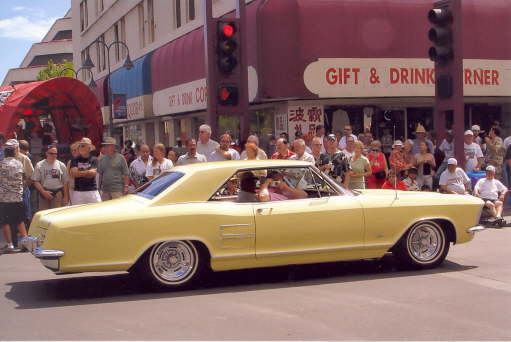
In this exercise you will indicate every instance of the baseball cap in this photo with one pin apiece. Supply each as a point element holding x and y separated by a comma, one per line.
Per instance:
<point>412,170</point>
<point>476,128</point>
<point>12,142</point>
<point>452,161</point>
<point>331,137</point>
<point>469,132</point>
<point>490,168</point>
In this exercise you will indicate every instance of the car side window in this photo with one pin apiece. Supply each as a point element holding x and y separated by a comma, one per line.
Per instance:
<point>323,188</point>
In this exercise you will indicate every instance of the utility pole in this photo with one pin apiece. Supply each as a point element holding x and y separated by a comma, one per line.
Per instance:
<point>447,53</point>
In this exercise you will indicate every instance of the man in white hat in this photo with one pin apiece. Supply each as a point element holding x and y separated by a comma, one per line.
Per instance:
<point>473,155</point>
<point>447,148</point>
<point>84,170</point>
<point>113,171</point>
<point>420,136</point>
<point>492,191</point>
<point>454,180</point>
<point>476,129</point>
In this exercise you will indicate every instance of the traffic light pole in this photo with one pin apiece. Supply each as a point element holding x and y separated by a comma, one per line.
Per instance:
<point>243,103</point>
<point>210,59</point>
<point>449,97</point>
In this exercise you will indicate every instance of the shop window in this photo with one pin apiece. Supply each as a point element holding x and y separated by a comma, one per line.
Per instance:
<point>191,10</point>
<point>84,15</point>
<point>141,24</point>
<point>176,15</point>
<point>262,124</point>
<point>101,54</point>
<point>150,19</point>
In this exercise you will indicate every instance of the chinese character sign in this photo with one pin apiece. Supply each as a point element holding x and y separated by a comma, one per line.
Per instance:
<point>280,123</point>
<point>303,119</point>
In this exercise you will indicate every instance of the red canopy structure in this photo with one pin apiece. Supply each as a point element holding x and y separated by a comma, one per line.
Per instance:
<point>74,109</point>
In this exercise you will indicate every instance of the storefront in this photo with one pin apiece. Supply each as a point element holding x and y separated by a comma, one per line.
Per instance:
<point>325,62</point>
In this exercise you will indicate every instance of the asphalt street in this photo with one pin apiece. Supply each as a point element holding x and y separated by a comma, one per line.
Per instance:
<point>467,298</point>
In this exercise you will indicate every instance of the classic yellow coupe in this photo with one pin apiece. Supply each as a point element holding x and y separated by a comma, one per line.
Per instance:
<point>245,214</point>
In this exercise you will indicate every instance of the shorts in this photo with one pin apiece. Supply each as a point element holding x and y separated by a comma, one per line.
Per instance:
<point>489,200</point>
<point>12,213</point>
<point>85,197</point>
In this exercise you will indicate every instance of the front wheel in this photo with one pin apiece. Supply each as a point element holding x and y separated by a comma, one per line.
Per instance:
<point>171,264</point>
<point>423,246</point>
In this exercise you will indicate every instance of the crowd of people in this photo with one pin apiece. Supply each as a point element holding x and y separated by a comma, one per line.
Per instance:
<point>355,162</point>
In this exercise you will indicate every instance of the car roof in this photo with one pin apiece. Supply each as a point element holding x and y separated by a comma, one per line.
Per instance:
<point>240,164</point>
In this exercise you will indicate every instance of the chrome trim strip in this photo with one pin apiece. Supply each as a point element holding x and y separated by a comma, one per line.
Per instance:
<point>235,225</point>
<point>315,250</point>
<point>47,253</point>
<point>232,256</point>
<point>237,236</point>
<point>475,229</point>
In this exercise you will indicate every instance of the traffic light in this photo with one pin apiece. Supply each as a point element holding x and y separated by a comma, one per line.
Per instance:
<point>228,95</point>
<point>228,43</point>
<point>441,35</point>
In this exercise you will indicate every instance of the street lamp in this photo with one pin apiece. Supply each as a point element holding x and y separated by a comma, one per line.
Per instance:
<point>92,84</point>
<point>128,65</point>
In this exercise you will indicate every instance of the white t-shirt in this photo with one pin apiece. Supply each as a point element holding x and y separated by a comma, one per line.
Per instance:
<point>305,157</point>
<point>454,181</point>
<point>489,189</point>
<point>207,149</point>
<point>155,171</point>
<point>342,142</point>
<point>447,148</point>
<point>472,153</point>
<point>507,142</point>
<point>215,156</point>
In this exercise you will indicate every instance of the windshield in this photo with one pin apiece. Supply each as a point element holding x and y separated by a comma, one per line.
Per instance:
<point>158,184</point>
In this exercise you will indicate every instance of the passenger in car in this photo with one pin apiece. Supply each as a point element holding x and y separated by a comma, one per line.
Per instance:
<point>275,188</point>
<point>247,192</point>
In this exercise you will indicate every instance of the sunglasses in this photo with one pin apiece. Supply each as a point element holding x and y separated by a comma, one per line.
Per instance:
<point>52,153</point>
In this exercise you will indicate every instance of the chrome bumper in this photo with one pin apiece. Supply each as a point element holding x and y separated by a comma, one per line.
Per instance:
<point>47,253</point>
<point>475,229</point>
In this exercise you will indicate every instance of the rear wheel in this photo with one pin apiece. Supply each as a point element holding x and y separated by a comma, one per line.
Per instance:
<point>171,264</point>
<point>423,246</point>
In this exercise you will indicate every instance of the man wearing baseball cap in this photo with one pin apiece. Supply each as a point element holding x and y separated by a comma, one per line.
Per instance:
<point>113,171</point>
<point>454,180</point>
<point>84,169</point>
<point>473,155</point>
<point>492,191</point>
<point>334,162</point>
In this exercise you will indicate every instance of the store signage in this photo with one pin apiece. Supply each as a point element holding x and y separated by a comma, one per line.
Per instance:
<point>192,96</point>
<point>138,108</point>
<point>304,118</point>
<point>120,106</point>
<point>4,95</point>
<point>395,77</point>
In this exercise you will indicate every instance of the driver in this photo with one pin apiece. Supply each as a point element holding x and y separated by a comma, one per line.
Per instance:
<point>275,188</point>
<point>492,191</point>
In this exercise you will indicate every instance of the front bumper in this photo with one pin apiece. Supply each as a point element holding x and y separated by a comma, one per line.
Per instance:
<point>475,229</point>
<point>50,258</point>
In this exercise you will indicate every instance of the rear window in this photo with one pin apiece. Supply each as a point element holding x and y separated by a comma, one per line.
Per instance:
<point>159,184</point>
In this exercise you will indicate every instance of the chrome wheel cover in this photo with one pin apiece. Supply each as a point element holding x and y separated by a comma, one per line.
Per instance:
<point>425,242</point>
<point>174,262</point>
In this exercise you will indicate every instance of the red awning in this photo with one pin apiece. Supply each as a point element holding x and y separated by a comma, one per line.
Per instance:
<point>73,106</point>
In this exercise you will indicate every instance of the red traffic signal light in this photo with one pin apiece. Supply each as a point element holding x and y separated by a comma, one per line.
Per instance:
<point>227,46</point>
<point>228,95</point>
<point>228,29</point>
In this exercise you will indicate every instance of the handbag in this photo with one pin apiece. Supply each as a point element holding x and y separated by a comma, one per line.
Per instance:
<point>380,174</point>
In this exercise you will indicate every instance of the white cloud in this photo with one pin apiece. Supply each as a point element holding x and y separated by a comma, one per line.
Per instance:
<point>31,11</point>
<point>25,28</point>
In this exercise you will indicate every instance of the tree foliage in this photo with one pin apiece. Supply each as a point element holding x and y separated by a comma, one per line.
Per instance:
<point>53,70</point>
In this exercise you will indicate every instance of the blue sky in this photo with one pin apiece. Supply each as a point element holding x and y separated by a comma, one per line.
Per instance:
<point>22,23</point>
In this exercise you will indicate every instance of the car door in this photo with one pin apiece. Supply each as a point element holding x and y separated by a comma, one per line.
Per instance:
<point>328,227</point>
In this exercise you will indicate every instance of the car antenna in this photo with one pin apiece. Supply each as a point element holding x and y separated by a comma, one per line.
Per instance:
<point>395,183</point>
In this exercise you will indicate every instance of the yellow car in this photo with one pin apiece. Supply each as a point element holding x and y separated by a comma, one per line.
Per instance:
<point>245,214</point>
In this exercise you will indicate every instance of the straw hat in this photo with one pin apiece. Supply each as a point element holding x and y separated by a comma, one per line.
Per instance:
<point>420,129</point>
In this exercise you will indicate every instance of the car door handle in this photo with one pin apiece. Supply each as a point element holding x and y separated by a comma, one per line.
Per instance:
<point>261,211</point>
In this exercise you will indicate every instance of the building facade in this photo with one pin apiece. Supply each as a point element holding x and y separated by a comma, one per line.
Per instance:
<point>327,62</point>
<point>57,45</point>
